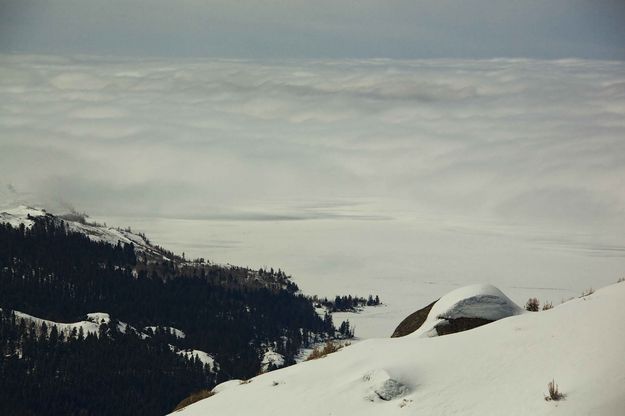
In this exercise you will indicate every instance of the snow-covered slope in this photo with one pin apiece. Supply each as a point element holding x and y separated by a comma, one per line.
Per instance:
<point>498,369</point>
<point>90,325</point>
<point>96,232</point>
<point>20,215</point>
<point>204,357</point>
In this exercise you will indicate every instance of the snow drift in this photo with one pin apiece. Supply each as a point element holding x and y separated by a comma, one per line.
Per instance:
<point>498,369</point>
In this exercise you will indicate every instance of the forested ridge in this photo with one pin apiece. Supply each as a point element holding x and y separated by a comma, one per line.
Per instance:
<point>235,314</point>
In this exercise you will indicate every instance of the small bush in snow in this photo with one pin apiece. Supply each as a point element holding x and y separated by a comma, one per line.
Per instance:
<point>588,292</point>
<point>328,348</point>
<point>547,306</point>
<point>532,305</point>
<point>554,393</point>
<point>195,397</point>
<point>621,280</point>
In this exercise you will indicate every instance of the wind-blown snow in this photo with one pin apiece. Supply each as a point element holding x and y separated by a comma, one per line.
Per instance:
<point>498,369</point>
<point>475,301</point>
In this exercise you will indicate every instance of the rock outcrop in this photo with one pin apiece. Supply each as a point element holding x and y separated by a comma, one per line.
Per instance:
<point>460,310</point>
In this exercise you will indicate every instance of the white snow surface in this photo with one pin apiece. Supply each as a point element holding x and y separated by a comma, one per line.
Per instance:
<point>476,301</point>
<point>19,215</point>
<point>498,369</point>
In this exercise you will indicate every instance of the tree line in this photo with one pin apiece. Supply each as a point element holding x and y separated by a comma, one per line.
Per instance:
<point>346,303</point>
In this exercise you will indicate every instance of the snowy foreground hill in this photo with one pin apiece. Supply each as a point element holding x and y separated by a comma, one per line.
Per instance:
<point>501,368</point>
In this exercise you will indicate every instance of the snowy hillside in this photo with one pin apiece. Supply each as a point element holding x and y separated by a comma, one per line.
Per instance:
<point>91,325</point>
<point>93,322</point>
<point>96,232</point>
<point>498,369</point>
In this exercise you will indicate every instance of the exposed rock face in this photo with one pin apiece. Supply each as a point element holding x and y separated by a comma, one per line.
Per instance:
<point>391,389</point>
<point>413,321</point>
<point>451,326</point>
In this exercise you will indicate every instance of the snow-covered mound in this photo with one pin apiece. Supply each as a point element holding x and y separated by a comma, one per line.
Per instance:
<point>498,369</point>
<point>482,301</point>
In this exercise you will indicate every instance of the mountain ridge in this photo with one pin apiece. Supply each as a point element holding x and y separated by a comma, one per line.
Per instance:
<point>55,270</point>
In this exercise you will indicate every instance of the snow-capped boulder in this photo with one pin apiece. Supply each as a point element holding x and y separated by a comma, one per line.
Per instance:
<point>461,309</point>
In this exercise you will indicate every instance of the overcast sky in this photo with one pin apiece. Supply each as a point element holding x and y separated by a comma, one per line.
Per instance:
<point>317,28</point>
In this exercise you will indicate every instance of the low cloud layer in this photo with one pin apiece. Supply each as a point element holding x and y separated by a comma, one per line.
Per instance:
<point>504,140</point>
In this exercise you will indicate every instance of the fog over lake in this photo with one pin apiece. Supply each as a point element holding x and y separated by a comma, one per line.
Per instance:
<point>394,177</point>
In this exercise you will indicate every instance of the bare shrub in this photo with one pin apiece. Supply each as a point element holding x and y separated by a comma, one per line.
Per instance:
<point>554,393</point>
<point>195,397</point>
<point>547,305</point>
<point>248,381</point>
<point>328,348</point>
<point>588,292</point>
<point>532,305</point>
<point>621,280</point>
